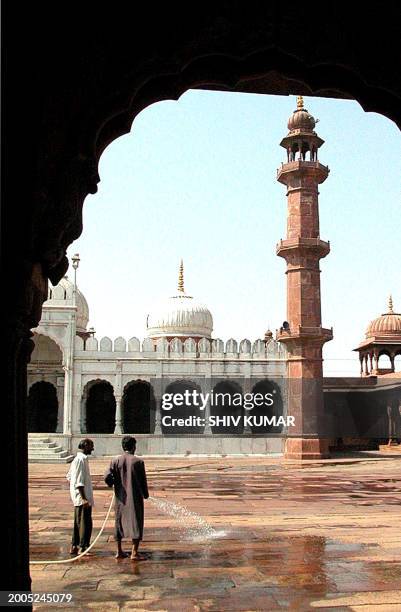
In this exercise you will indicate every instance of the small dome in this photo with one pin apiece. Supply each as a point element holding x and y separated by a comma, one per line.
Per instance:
<point>388,323</point>
<point>301,119</point>
<point>180,316</point>
<point>62,294</point>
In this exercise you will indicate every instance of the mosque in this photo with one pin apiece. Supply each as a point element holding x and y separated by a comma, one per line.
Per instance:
<point>78,384</point>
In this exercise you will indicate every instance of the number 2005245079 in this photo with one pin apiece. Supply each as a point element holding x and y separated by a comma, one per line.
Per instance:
<point>29,598</point>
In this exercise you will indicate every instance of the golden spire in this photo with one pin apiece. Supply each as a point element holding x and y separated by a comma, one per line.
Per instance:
<point>300,103</point>
<point>181,278</point>
<point>390,304</point>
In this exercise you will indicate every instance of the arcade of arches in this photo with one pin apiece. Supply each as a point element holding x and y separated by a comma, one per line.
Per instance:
<point>92,98</point>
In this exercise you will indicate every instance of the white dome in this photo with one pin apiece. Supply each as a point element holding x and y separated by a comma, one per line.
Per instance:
<point>180,316</point>
<point>62,295</point>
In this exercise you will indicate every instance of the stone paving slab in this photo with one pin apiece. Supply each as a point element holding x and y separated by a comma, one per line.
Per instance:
<point>325,535</point>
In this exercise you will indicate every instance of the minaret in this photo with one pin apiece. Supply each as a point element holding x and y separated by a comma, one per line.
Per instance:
<point>302,249</point>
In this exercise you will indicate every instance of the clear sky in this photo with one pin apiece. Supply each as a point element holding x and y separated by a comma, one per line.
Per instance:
<point>196,179</point>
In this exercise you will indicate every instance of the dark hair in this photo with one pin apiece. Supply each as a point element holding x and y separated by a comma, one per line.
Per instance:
<point>128,443</point>
<point>84,443</point>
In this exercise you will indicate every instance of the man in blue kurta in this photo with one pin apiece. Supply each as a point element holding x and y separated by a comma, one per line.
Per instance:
<point>127,474</point>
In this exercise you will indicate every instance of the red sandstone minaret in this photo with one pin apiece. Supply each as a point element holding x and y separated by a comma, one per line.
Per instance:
<point>302,249</point>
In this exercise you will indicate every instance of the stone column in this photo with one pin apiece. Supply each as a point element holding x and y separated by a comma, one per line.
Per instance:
<point>158,391</point>
<point>206,387</point>
<point>67,412</point>
<point>376,360</point>
<point>83,413</point>
<point>118,429</point>
<point>247,389</point>
<point>76,416</point>
<point>60,400</point>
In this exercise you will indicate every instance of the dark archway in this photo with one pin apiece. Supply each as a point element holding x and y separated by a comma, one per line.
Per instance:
<point>100,408</point>
<point>268,47</point>
<point>42,408</point>
<point>265,392</point>
<point>227,405</point>
<point>188,410</point>
<point>138,408</point>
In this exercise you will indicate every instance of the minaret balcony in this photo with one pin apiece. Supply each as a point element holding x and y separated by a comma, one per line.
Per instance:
<point>301,245</point>
<point>314,169</point>
<point>301,332</point>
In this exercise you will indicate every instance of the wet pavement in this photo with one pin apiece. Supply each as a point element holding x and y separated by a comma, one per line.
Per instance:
<point>280,536</point>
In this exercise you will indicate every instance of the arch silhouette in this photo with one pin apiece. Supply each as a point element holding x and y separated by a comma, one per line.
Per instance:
<point>188,409</point>
<point>100,405</point>
<point>70,126</point>
<point>138,407</point>
<point>42,407</point>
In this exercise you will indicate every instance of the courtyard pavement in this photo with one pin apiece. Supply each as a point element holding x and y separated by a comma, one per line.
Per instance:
<point>287,536</point>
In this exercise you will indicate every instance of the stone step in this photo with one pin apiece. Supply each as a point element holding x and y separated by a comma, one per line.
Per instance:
<point>52,459</point>
<point>38,444</point>
<point>58,451</point>
<point>41,449</point>
<point>40,436</point>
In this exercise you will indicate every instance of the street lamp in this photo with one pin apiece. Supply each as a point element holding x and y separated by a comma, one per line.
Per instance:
<point>75,263</point>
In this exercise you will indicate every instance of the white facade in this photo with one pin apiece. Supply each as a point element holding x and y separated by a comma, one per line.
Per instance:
<point>68,357</point>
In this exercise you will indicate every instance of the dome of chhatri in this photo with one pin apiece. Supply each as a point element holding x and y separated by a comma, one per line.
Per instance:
<point>180,316</point>
<point>388,323</point>
<point>62,295</point>
<point>300,119</point>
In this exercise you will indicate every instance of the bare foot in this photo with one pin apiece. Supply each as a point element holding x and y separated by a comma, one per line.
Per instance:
<point>137,556</point>
<point>121,555</point>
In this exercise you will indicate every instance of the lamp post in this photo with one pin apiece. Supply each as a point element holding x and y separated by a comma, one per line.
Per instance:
<point>75,263</point>
<point>69,363</point>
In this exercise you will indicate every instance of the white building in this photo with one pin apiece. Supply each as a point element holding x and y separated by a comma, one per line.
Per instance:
<point>78,384</point>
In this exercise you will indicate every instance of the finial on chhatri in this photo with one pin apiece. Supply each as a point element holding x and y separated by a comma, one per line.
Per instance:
<point>390,304</point>
<point>181,277</point>
<point>300,103</point>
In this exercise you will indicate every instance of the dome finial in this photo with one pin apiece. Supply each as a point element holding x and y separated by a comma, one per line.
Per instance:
<point>181,278</point>
<point>390,304</point>
<point>300,102</point>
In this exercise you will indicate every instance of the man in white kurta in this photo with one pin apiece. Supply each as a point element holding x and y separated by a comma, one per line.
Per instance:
<point>81,492</point>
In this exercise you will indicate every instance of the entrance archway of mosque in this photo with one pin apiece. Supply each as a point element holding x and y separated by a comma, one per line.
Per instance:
<point>397,361</point>
<point>189,409</point>
<point>138,407</point>
<point>69,177</point>
<point>100,408</point>
<point>42,408</point>
<point>227,408</point>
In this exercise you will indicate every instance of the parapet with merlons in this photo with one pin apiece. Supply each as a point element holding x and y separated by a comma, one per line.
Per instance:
<point>180,349</point>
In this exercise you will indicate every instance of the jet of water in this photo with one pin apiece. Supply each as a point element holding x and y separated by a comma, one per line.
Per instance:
<point>194,526</point>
